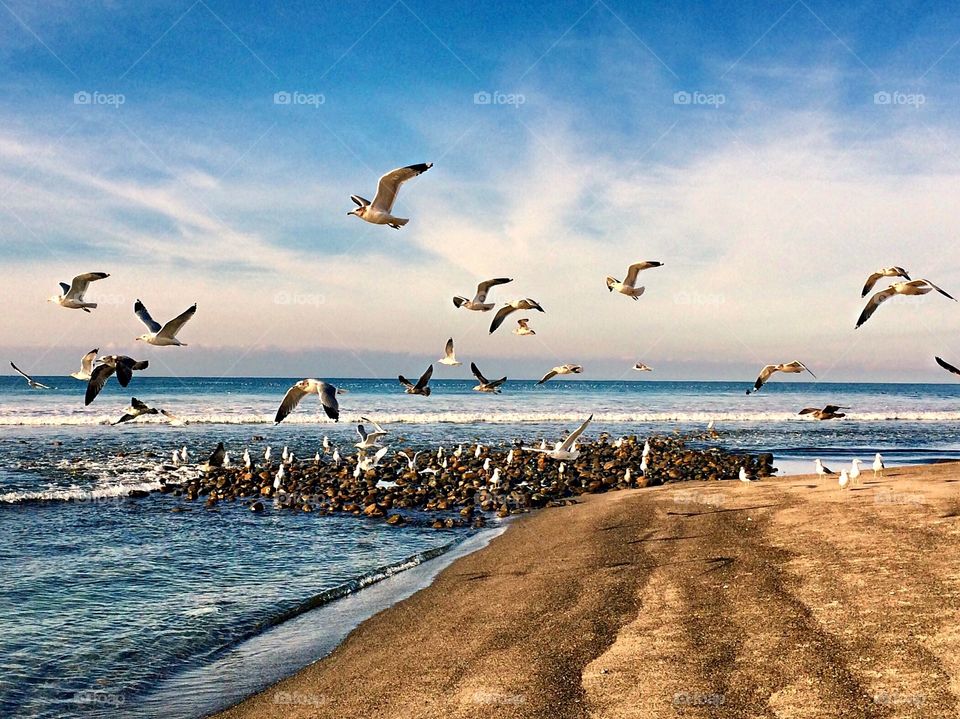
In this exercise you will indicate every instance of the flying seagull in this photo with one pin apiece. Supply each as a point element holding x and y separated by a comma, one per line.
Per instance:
<point>562,369</point>
<point>641,367</point>
<point>914,287</point>
<point>325,391</point>
<point>421,387</point>
<point>122,365</point>
<point>886,272</point>
<point>162,335</point>
<point>628,286</point>
<point>449,356</point>
<point>523,304</point>
<point>71,296</point>
<point>30,380</point>
<point>828,412</point>
<point>794,367</point>
<point>485,384</point>
<point>523,328</point>
<point>565,449</point>
<point>378,211</point>
<point>479,301</point>
<point>138,409</point>
<point>369,440</point>
<point>86,365</point>
<point>947,366</point>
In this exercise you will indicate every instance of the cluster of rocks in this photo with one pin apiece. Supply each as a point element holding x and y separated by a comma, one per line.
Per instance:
<point>465,486</point>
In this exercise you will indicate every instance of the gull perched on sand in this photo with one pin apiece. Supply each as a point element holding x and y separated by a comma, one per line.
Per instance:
<point>886,272</point>
<point>522,304</point>
<point>378,211</point>
<point>565,449</point>
<point>821,469</point>
<point>72,295</point>
<point>914,287</point>
<point>794,367</point>
<point>30,380</point>
<point>486,385</point>
<point>878,465</point>
<point>855,470</point>
<point>325,391</point>
<point>523,328</point>
<point>369,440</point>
<point>479,302</point>
<point>86,365</point>
<point>744,477</point>
<point>641,367</point>
<point>162,335</point>
<point>562,369</point>
<point>122,365</point>
<point>422,387</point>
<point>947,366</point>
<point>628,286</point>
<point>844,479</point>
<point>449,355</point>
<point>828,412</point>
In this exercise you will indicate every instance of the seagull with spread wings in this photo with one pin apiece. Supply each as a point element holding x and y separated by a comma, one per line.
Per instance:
<point>914,287</point>
<point>831,411</point>
<point>325,391</point>
<point>522,304</point>
<point>378,211</point>
<point>486,385</point>
<point>562,369</point>
<point>449,355</point>
<point>479,302</point>
<point>30,380</point>
<point>369,440</point>
<point>422,387</point>
<point>565,449</point>
<point>628,286</point>
<point>72,296</point>
<point>86,366</point>
<point>162,335</point>
<point>886,272</point>
<point>794,367</point>
<point>121,365</point>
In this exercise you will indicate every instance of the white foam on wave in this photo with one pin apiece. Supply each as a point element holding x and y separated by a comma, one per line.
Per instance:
<point>78,494</point>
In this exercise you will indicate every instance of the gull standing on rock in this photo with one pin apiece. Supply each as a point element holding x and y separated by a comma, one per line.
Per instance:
<point>479,302</point>
<point>72,295</point>
<point>562,369</point>
<point>628,286</point>
<point>325,391</point>
<point>378,211</point>
<point>794,367</point>
<point>162,335</point>
<point>512,306</point>
<point>30,380</point>
<point>86,366</point>
<point>449,355</point>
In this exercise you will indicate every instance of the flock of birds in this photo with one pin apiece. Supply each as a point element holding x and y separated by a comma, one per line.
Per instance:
<point>851,476</point>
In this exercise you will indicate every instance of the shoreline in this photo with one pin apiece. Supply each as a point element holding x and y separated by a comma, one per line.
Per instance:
<point>788,596</point>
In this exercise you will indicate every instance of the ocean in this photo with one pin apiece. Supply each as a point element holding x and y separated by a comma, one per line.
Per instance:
<point>111,606</point>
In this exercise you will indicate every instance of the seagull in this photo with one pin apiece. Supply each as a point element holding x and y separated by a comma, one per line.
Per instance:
<point>421,387</point>
<point>279,477</point>
<point>628,286</point>
<point>369,440</point>
<point>136,409</point>
<point>828,412</point>
<point>887,272</point>
<point>641,367</point>
<point>365,464</point>
<point>794,367</point>
<point>744,477</point>
<point>479,301</point>
<point>485,384</point>
<point>86,365</point>
<point>122,365</point>
<point>411,461</point>
<point>162,335</point>
<point>523,328</point>
<point>567,448</point>
<point>30,380</point>
<point>947,366</point>
<point>216,459</point>
<point>844,479</point>
<point>855,470</point>
<point>914,287</point>
<point>325,391</point>
<point>821,469</point>
<point>247,461</point>
<point>562,369</point>
<point>266,454</point>
<point>513,306</point>
<point>878,465</point>
<point>449,355</point>
<point>378,211</point>
<point>72,295</point>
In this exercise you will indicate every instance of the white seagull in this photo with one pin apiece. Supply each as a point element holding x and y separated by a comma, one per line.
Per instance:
<point>449,355</point>
<point>878,465</point>
<point>522,304</point>
<point>886,272</point>
<point>855,470</point>
<point>162,335</point>
<point>794,367</point>
<point>378,211</point>
<point>844,479</point>
<point>86,366</point>
<point>567,448</point>
<point>30,380</point>
<point>562,369</point>
<point>523,328</point>
<point>822,471</point>
<point>914,287</point>
<point>628,286</point>
<point>72,295</point>
<point>325,391</point>
<point>369,440</point>
<point>479,301</point>
<point>744,477</point>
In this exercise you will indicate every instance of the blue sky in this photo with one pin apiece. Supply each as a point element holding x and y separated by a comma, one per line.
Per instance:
<point>771,154</point>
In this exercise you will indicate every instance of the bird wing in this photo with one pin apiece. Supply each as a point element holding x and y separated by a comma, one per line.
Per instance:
<point>137,404</point>
<point>947,366</point>
<point>21,372</point>
<point>98,378</point>
<point>390,183</point>
<point>808,410</point>
<point>290,401</point>
<point>380,430</point>
<point>64,288</point>
<point>871,281</point>
<point>405,382</point>
<point>831,408</point>
<point>80,284</point>
<point>125,367</point>
<point>572,437</point>
<point>141,312</point>
<point>216,459</point>
<point>86,364</point>
<point>359,201</point>
<point>803,367</point>
<point>500,317</point>
<point>448,349</point>
<point>497,382</point>
<point>635,269</point>
<point>425,378</point>
<point>941,291</point>
<point>874,302</point>
<point>548,375</point>
<point>523,323</point>
<point>173,326</point>
<point>328,398</point>
<point>361,430</point>
<point>764,376</point>
<point>477,373</point>
<point>484,287</point>
<point>125,418</point>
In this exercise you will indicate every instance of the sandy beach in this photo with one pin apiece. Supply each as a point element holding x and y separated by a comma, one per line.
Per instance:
<point>784,598</point>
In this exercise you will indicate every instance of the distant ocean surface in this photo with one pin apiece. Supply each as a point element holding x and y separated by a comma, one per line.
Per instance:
<point>118,607</point>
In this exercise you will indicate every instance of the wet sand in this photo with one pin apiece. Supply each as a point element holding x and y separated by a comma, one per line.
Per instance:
<point>784,598</point>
